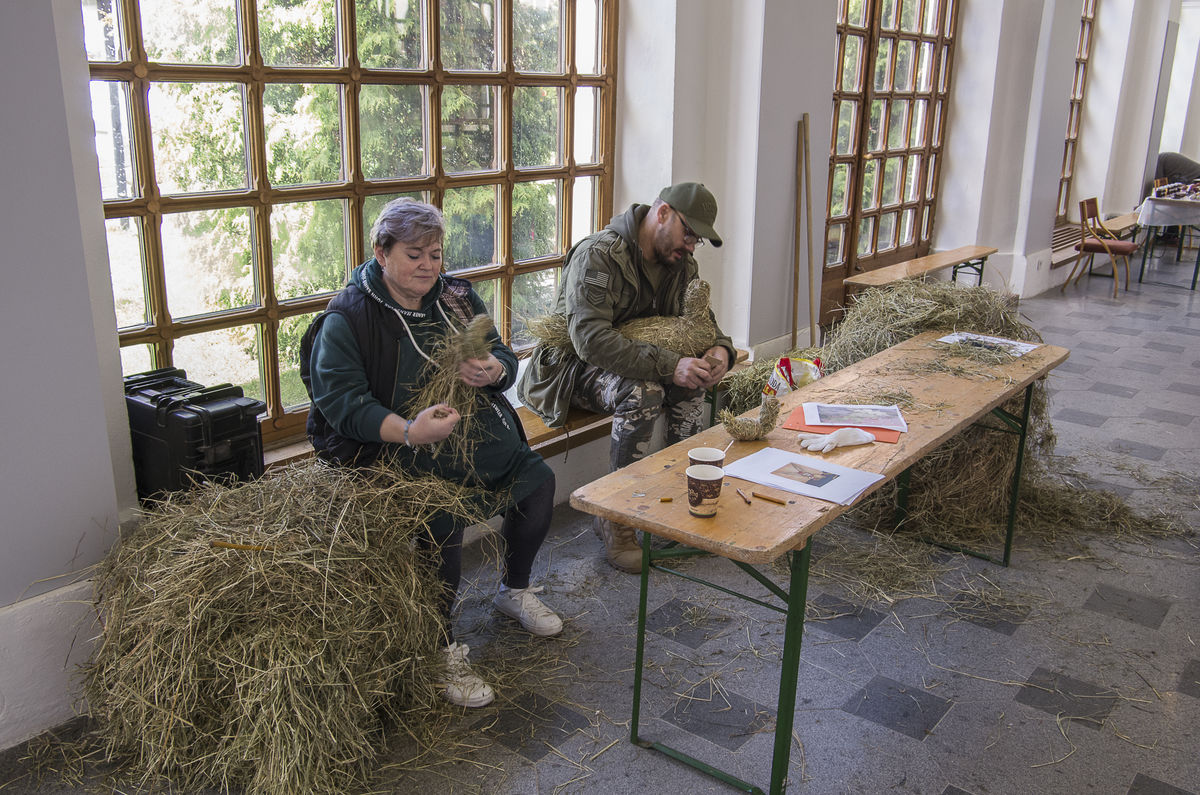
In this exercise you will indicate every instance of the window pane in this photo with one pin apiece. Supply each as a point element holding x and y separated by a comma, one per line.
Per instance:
<point>930,25</point>
<point>199,137</point>
<point>887,232</point>
<point>468,35</point>
<point>883,66</point>
<point>908,15</point>
<point>304,133</point>
<point>586,100</point>
<point>912,179</point>
<point>887,14</point>
<point>856,11</point>
<point>533,297</point>
<point>870,177</point>
<point>906,227</point>
<point>583,209</point>
<point>930,171</point>
<point>308,247</point>
<point>102,30</point>
<point>187,32</point>
<point>535,219</point>
<point>925,67</point>
<point>834,246</point>
<point>297,32</point>
<point>841,184</point>
<point>587,37</point>
<point>373,206</point>
<point>470,227</point>
<point>905,50</point>
<point>847,131</point>
<point>875,125</point>
<point>537,36</point>
<point>126,266</point>
<point>916,133</point>
<point>489,292</point>
<point>291,388</point>
<point>936,128</point>
<point>537,120</point>
<point>468,128</point>
<point>852,64</point>
<point>228,356</point>
<point>136,359</point>
<point>389,34</point>
<point>891,181</point>
<point>865,226</point>
<point>392,129</point>
<point>206,260</point>
<point>110,114</point>
<point>898,124</point>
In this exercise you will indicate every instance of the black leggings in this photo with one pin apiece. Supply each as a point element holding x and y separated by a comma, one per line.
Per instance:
<point>524,529</point>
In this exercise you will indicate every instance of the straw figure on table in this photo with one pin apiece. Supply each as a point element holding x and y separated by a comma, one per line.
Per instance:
<point>405,362</point>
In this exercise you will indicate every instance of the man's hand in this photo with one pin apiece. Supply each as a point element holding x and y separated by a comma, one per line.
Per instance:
<point>692,373</point>
<point>718,361</point>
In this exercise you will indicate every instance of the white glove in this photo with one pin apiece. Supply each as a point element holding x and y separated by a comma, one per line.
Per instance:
<point>842,437</point>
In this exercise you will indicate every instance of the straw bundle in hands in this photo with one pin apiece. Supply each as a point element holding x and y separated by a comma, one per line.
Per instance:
<point>264,636</point>
<point>443,384</point>
<point>689,334</point>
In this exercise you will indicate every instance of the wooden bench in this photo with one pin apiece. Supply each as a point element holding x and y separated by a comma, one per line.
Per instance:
<point>968,258</point>
<point>580,428</point>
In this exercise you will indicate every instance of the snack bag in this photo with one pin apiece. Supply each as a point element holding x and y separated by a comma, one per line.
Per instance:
<point>790,374</point>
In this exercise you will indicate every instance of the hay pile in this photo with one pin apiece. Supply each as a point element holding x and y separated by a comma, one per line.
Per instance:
<point>689,334</point>
<point>265,636</point>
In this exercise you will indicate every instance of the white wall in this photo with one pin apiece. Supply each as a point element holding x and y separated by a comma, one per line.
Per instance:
<point>66,472</point>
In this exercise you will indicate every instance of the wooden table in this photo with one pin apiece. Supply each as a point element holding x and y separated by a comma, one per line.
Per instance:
<point>970,258</point>
<point>1161,213</point>
<point>763,531</point>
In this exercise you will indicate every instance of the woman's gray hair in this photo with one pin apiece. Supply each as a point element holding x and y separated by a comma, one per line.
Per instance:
<point>406,221</point>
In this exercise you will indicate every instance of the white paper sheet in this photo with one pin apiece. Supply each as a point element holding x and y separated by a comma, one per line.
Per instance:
<point>1012,347</point>
<point>802,474</point>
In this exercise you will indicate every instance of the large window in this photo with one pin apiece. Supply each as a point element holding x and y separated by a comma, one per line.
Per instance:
<point>894,60</point>
<point>246,146</point>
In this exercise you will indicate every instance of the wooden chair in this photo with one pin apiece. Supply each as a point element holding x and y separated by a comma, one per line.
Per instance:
<point>1098,239</point>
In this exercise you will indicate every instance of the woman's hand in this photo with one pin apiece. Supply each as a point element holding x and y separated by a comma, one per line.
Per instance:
<point>480,372</point>
<point>432,424</point>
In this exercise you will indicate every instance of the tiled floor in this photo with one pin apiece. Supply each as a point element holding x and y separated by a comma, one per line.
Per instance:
<point>1062,673</point>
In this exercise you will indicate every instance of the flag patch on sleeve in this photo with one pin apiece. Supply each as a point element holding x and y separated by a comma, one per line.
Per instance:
<point>598,278</point>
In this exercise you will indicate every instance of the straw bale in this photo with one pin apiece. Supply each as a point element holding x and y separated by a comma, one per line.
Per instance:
<point>267,636</point>
<point>689,334</point>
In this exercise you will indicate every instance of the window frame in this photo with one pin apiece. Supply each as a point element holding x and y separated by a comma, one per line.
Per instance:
<point>148,206</point>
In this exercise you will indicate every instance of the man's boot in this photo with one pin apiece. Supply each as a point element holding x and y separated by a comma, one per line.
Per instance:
<point>620,545</point>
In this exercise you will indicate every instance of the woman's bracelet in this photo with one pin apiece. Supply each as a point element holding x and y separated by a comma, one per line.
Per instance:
<point>407,425</point>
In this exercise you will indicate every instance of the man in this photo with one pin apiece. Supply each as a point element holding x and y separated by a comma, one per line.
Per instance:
<point>637,266</point>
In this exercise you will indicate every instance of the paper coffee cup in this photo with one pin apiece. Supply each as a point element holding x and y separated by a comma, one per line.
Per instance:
<point>704,489</point>
<point>713,456</point>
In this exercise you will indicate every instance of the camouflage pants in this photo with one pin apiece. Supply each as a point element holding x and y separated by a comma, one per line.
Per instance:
<point>636,406</point>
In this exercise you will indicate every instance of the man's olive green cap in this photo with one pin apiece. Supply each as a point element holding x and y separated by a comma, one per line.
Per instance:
<point>697,205</point>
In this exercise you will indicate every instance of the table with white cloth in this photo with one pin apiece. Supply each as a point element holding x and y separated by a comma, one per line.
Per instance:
<point>1161,213</point>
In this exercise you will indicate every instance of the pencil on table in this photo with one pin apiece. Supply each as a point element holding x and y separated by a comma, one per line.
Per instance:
<point>768,498</point>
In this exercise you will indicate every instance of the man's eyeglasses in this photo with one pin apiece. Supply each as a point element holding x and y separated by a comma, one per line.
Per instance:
<point>689,235</point>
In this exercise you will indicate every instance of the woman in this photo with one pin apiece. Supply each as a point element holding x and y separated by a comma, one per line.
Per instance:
<point>368,354</point>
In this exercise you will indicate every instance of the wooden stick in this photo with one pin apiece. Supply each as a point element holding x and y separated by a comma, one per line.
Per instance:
<point>768,498</point>
<point>812,311</point>
<point>800,137</point>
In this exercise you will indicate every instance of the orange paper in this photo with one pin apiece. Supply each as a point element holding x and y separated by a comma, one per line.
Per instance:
<point>795,422</point>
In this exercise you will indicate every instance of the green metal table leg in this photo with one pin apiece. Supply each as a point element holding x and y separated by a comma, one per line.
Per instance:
<point>1015,497</point>
<point>792,635</point>
<point>641,643</point>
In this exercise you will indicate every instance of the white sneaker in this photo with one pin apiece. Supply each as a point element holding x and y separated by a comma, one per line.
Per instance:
<point>524,606</point>
<point>463,687</point>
